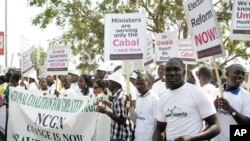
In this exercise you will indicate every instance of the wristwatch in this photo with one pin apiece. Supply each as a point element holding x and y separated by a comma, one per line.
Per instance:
<point>233,114</point>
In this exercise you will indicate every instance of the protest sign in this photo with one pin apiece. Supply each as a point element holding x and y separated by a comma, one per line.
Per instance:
<point>51,118</point>
<point>186,51</point>
<point>58,60</point>
<point>27,61</point>
<point>149,59</point>
<point>240,24</point>
<point>164,46</point>
<point>125,36</point>
<point>204,30</point>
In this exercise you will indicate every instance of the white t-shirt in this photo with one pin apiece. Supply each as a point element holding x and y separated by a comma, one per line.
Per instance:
<point>241,103</point>
<point>32,86</point>
<point>159,88</point>
<point>47,92</point>
<point>52,87</point>
<point>184,110</point>
<point>75,87</point>
<point>67,92</point>
<point>210,89</point>
<point>146,112</point>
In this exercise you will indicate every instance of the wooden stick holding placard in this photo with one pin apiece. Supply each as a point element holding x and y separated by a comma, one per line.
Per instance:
<point>57,82</point>
<point>186,70</point>
<point>218,77</point>
<point>127,69</point>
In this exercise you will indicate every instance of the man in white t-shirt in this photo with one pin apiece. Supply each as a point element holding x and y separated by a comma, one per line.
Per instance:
<point>183,108</point>
<point>145,110</point>
<point>67,89</point>
<point>234,107</point>
<point>159,87</point>
<point>205,75</point>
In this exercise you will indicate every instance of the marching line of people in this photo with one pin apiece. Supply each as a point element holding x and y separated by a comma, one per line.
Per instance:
<point>165,108</point>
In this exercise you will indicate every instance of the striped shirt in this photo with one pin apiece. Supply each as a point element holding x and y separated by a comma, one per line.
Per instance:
<point>120,131</point>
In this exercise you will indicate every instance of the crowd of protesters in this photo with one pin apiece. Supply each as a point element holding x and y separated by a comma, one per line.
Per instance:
<point>164,107</point>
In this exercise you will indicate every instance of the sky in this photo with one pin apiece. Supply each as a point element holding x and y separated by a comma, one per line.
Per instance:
<point>21,33</point>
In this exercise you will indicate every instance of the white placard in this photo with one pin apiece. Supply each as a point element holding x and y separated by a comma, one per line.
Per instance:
<point>58,60</point>
<point>27,61</point>
<point>125,36</point>
<point>186,51</point>
<point>204,30</point>
<point>149,59</point>
<point>240,25</point>
<point>164,46</point>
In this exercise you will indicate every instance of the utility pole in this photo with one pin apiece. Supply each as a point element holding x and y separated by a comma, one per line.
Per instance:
<point>6,35</point>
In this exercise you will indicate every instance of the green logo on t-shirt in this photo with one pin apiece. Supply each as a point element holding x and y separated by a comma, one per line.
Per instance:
<point>175,112</point>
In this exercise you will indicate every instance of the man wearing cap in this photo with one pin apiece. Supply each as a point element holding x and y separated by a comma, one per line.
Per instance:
<point>74,74</point>
<point>119,126</point>
<point>234,107</point>
<point>101,72</point>
<point>32,78</point>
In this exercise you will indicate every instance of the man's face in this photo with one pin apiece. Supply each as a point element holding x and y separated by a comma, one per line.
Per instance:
<point>49,79</point>
<point>111,85</point>
<point>74,78</point>
<point>43,83</point>
<point>100,74</point>
<point>66,82</point>
<point>82,83</point>
<point>174,73</point>
<point>161,71</point>
<point>235,76</point>
<point>142,85</point>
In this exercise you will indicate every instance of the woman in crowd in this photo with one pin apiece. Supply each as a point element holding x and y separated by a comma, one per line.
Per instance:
<point>99,87</point>
<point>84,84</point>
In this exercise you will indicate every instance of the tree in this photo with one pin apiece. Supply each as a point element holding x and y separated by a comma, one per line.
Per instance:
<point>39,58</point>
<point>82,21</point>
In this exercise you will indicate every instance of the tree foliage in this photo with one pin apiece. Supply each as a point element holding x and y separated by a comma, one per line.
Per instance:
<point>39,58</point>
<point>83,23</point>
